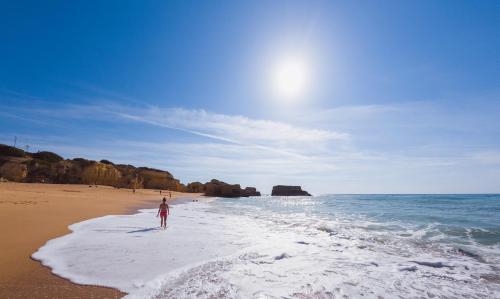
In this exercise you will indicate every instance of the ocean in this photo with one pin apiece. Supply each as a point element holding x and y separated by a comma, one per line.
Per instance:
<point>331,246</point>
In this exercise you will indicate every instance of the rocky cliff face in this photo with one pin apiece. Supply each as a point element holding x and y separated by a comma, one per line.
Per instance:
<point>281,190</point>
<point>196,187</point>
<point>14,170</point>
<point>46,167</point>
<point>159,179</point>
<point>222,189</point>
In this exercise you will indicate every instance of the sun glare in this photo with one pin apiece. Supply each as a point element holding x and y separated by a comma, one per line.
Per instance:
<point>290,78</point>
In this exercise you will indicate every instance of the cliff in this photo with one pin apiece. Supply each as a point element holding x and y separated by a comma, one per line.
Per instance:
<point>281,190</point>
<point>222,189</point>
<point>47,167</point>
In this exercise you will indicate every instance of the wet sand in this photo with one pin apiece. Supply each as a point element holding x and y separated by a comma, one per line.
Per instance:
<point>32,214</point>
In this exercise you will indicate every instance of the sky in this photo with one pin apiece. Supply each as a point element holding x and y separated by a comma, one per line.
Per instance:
<point>335,96</point>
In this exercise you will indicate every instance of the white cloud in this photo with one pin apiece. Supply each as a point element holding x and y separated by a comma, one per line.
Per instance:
<point>412,147</point>
<point>235,129</point>
<point>278,137</point>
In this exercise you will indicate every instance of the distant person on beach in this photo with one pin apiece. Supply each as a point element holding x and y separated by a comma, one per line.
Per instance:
<point>163,212</point>
<point>169,195</point>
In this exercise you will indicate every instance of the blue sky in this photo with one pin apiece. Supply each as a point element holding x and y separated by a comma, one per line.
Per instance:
<point>400,96</point>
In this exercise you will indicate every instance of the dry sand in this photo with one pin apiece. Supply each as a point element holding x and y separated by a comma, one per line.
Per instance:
<point>32,214</point>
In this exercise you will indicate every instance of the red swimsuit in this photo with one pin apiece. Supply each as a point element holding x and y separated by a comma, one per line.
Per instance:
<point>163,212</point>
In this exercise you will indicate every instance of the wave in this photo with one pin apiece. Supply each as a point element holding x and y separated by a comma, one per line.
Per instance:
<point>208,251</point>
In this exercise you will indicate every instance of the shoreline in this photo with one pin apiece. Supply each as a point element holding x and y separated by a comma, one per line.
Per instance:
<point>32,214</point>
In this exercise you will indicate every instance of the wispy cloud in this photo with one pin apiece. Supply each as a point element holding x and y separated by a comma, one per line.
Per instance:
<point>231,128</point>
<point>272,136</point>
<point>410,147</point>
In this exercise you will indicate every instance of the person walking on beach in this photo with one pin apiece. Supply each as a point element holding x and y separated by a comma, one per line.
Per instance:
<point>163,211</point>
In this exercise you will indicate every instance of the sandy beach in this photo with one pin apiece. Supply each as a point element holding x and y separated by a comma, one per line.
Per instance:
<point>32,214</point>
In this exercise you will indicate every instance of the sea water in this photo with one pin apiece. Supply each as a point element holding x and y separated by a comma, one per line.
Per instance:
<point>332,246</point>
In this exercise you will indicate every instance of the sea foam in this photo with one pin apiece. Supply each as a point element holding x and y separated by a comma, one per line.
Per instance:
<point>127,251</point>
<point>208,253</point>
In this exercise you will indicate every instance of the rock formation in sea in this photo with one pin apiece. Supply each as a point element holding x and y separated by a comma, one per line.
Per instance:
<point>281,190</point>
<point>47,167</point>
<point>222,189</point>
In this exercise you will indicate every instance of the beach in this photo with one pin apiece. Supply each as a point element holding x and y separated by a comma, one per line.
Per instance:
<point>32,214</point>
<point>298,247</point>
<point>307,150</point>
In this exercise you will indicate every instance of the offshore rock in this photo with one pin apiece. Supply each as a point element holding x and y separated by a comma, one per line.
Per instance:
<point>281,190</point>
<point>222,189</point>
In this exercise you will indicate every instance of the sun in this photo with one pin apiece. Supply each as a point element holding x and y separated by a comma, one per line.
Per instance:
<point>290,78</point>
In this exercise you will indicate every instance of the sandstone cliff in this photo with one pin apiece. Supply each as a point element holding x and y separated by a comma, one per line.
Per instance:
<point>222,189</point>
<point>47,167</point>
